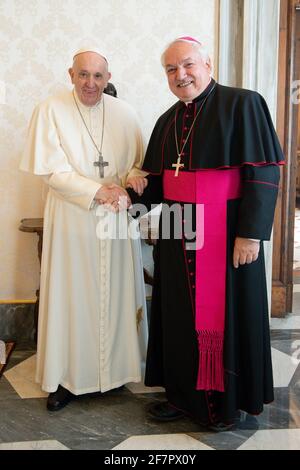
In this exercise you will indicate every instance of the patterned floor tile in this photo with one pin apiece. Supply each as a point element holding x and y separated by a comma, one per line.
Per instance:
<point>275,439</point>
<point>33,445</point>
<point>290,322</point>
<point>284,367</point>
<point>162,442</point>
<point>22,378</point>
<point>118,420</point>
<point>141,388</point>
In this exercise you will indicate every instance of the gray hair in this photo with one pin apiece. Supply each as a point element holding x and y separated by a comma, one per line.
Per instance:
<point>198,46</point>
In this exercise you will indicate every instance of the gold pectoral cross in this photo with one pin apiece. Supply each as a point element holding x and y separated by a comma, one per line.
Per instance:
<point>178,165</point>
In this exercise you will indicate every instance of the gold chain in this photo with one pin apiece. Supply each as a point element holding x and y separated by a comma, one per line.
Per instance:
<point>191,128</point>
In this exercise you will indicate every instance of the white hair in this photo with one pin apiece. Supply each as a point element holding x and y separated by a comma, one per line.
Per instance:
<point>197,45</point>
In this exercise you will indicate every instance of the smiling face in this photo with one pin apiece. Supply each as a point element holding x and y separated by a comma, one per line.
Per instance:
<point>89,75</point>
<point>188,73</point>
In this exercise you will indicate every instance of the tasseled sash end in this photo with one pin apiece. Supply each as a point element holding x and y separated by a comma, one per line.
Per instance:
<point>211,369</point>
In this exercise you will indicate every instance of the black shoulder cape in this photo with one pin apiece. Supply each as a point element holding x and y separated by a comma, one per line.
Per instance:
<point>233,129</point>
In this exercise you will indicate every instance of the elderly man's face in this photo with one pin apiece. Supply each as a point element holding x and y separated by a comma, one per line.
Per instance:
<point>89,75</point>
<point>188,74</point>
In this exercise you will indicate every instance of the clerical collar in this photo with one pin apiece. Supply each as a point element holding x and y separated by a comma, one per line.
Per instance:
<point>203,94</point>
<point>84,106</point>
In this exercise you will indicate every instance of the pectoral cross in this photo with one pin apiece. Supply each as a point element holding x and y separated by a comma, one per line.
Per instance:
<point>101,164</point>
<point>178,165</point>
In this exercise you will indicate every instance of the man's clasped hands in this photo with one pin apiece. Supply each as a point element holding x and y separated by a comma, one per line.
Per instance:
<point>116,198</point>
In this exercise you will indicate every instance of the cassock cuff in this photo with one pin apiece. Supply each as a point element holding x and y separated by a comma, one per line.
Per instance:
<point>136,172</point>
<point>94,203</point>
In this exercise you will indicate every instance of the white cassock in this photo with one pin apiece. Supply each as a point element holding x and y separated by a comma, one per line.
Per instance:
<point>92,319</point>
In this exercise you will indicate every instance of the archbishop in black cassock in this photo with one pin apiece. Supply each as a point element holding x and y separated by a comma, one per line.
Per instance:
<point>220,130</point>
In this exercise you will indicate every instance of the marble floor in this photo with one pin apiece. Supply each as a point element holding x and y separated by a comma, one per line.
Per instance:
<point>117,420</point>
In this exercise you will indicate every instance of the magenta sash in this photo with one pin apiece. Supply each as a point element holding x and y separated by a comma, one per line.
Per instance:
<point>211,189</point>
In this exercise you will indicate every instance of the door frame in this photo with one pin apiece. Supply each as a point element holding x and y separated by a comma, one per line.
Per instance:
<point>287,129</point>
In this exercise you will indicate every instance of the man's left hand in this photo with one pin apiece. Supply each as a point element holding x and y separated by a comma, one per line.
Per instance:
<point>245,251</point>
<point>137,183</point>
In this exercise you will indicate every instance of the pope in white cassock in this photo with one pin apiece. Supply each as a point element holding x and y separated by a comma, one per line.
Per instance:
<point>92,320</point>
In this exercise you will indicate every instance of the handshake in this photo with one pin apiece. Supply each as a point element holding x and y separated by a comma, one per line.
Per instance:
<point>116,198</point>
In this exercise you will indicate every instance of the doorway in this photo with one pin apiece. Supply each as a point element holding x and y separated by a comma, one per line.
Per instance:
<point>296,262</point>
<point>287,128</point>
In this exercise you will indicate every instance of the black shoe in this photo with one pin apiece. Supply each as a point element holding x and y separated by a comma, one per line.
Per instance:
<point>221,427</point>
<point>59,399</point>
<point>165,412</point>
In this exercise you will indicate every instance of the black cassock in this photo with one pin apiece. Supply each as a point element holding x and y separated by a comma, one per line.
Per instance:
<point>232,130</point>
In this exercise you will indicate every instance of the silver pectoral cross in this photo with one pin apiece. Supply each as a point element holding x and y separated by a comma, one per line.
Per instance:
<point>178,165</point>
<point>101,164</point>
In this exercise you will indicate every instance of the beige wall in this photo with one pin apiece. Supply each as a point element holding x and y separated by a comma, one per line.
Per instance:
<point>37,38</point>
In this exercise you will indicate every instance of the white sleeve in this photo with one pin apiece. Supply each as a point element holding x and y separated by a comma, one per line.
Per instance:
<point>44,155</point>
<point>139,150</point>
<point>74,188</point>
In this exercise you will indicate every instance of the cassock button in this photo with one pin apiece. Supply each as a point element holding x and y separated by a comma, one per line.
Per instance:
<point>193,287</point>
<point>191,274</point>
<point>189,261</point>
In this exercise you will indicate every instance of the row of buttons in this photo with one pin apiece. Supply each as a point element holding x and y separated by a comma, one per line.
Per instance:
<point>186,127</point>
